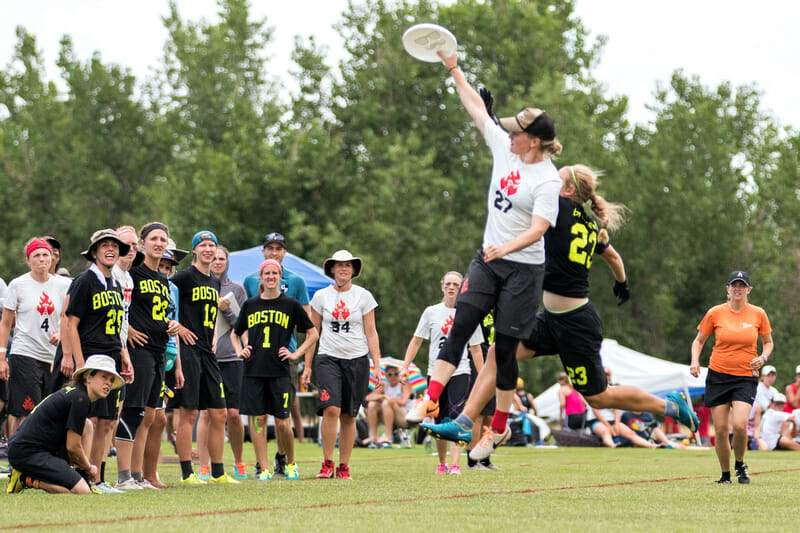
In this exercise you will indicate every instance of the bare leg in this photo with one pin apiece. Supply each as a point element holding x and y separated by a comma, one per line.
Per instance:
<point>442,371</point>
<point>628,398</point>
<point>202,437</point>
<point>140,440</point>
<point>329,427</point>
<point>283,434</point>
<point>455,454</point>
<point>184,433</point>
<point>602,431</point>
<point>216,434</point>
<point>719,414</point>
<point>740,413</point>
<point>297,420</point>
<point>388,421</point>
<point>441,449</point>
<point>372,420</point>
<point>259,439</point>
<point>347,437</point>
<point>152,449</point>
<point>235,434</point>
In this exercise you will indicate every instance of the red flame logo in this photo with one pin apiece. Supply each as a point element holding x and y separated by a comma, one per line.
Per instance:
<point>510,183</point>
<point>324,397</point>
<point>340,312</point>
<point>448,325</point>
<point>46,305</point>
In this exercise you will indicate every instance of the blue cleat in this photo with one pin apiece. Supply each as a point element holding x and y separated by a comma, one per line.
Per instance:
<point>686,415</point>
<point>448,430</point>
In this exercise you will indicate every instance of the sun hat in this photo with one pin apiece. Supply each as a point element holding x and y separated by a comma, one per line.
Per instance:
<point>101,235</point>
<point>340,256</point>
<point>103,363</point>
<point>739,275</point>
<point>203,235</point>
<point>177,254</point>
<point>533,121</point>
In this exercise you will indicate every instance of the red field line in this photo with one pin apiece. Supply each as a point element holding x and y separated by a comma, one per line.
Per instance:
<point>117,520</point>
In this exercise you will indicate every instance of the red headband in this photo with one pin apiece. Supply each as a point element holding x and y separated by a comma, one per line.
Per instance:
<point>37,244</point>
<point>268,262</point>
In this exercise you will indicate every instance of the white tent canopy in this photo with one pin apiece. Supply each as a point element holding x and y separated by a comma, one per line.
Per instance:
<point>629,367</point>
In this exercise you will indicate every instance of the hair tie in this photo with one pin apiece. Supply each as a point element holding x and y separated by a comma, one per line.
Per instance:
<point>574,180</point>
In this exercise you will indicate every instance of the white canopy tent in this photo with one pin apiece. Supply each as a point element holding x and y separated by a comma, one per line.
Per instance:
<point>629,367</point>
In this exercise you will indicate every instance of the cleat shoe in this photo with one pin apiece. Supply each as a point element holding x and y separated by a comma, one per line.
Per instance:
<point>449,431</point>
<point>724,480</point>
<point>280,465</point>
<point>258,470</point>
<point>204,473</point>
<point>15,483</point>
<point>424,408</point>
<point>93,489</point>
<point>686,415</point>
<point>327,471</point>
<point>240,471</point>
<point>128,484</point>
<point>343,472</point>
<point>291,472</point>
<point>224,478</point>
<point>741,473</point>
<point>144,484</point>
<point>441,468</point>
<point>455,470</point>
<point>105,488</point>
<point>489,465</point>
<point>477,466</point>
<point>193,479</point>
<point>264,476</point>
<point>489,442</point>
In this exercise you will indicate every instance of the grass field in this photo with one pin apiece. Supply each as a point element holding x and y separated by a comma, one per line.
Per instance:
<point>562,489</point>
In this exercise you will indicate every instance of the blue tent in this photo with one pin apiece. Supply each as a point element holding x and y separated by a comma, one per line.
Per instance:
<point>244,262</point>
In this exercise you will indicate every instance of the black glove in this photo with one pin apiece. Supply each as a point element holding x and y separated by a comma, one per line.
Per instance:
<point>622,291</point>
<point>488,101</point>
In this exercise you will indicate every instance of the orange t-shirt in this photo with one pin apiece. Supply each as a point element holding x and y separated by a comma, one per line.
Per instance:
<point>736,337</point>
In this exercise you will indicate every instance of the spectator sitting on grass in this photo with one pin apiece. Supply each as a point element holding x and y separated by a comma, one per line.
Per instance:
<point>389,402</point>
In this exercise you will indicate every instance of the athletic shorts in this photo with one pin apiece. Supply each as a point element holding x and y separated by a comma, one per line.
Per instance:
<point>454,396</point>
<point>27,383</point>
<point>266,395</point>
<point>512,289</point>
<point>342,383</point>
<point>725,388</point>
<point>44,466</point>
<point>108,408</point>
<point>232,372</point>
<point>576,421</point>
<point>148,382</point>
<point>576,336</point>
<point>202,380</point>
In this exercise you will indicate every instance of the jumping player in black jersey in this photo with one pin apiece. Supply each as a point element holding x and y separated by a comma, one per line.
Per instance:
<point>49,441</point>
<point>569,324</point>
<point>202,388</point>
<point>148,331</point>
<point>265,326</point>
<point>94,318</point>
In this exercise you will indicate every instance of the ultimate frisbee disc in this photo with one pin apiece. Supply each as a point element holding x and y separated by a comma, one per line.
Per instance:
<point>422,41</point>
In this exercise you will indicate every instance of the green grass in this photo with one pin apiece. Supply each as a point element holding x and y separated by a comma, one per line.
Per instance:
<point>564,489</point>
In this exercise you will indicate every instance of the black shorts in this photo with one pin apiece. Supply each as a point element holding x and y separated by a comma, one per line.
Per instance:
<point>45,467</point>
<point>576,421</point>
<point>454,396</point>
<point>27,383</point>
<point>108,408</point>
<point>148,382</point>
<point>202,380</point>
<point>576,336</point>
<point>725,388</point>
<point>512,289</point>
<point>342,383</point>
<point>266,395</point>
<point>232,372</point>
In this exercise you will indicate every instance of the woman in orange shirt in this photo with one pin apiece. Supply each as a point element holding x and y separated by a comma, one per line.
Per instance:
<point>733,370</point>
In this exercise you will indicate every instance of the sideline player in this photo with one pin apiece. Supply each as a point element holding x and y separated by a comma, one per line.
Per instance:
<point>202,389</point>
<point>265,326</point>
<point>33,308</point>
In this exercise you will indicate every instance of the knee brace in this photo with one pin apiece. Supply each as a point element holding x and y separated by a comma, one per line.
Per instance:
<point>129,422</point>
<point>505,349</point>
<point>467,318</point>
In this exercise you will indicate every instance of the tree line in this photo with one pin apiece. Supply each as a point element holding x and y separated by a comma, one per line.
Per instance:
<point>377,155</point>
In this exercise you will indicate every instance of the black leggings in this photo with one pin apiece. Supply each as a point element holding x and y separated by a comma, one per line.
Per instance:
<point>505,353</point>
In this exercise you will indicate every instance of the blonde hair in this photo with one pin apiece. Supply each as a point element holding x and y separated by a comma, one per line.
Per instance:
<point>452,273</point>
<point>551,148</point>
<point>610,215</point>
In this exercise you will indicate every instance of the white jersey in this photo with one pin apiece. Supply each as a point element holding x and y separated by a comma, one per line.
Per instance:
<point>517,192</point>
<point>342,333</point>
<point>763,399</point>
<point>771,422</point>
<point>123,277</point>
<point>38,309</point>
<point>434,325</point>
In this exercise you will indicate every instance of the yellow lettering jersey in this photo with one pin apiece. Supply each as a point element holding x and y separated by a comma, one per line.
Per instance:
<point>98,305</point>
<point>736,337</point>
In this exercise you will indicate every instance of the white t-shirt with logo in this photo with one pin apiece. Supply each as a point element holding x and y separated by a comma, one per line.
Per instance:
<point>517,192</point>
<point>342,333</point>
<point>434,325</point>
<point>38,307</point>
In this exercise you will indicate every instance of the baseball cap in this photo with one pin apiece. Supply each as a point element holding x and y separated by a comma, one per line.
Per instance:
<point>533,121</point>
<point>275,237</point>
<point>797,370</point>
<point>739,275</point>
<point>201,236</point>
<point>768,369</point>
<point>778,398</point>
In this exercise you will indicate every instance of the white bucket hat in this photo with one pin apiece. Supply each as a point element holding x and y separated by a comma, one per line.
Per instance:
<point>100,362</point>
<point>339,256</point>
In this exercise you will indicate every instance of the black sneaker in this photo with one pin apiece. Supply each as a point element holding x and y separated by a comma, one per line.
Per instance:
<point>724,479</point>
<point>280,465</point>
<point>258,470</point>
<point>741,473</point>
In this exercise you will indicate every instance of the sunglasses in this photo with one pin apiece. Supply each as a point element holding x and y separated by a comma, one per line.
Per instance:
<point>392,373</point>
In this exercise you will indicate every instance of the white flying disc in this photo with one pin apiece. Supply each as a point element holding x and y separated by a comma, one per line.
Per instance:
<point>422,41</point>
